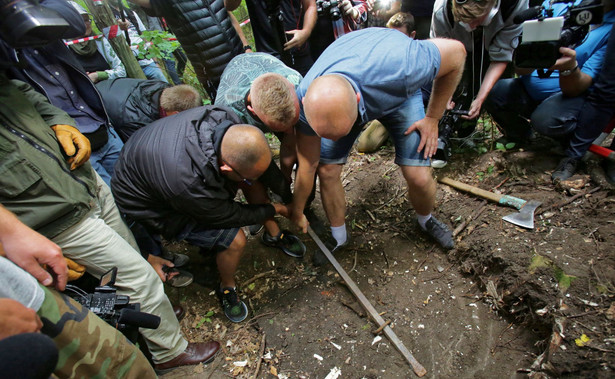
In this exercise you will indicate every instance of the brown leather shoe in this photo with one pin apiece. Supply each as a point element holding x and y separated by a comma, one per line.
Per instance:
<point>194,354</point>
<point>179,312</point>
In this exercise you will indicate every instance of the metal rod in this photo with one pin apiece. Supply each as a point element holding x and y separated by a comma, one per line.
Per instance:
<point>419,370</point>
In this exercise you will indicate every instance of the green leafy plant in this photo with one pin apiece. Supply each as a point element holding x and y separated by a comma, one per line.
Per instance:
<point>157,45</point>
<point>204,319</point>
<point>504,147</point>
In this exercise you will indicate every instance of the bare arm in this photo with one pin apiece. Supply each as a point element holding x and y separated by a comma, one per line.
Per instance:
<point>300,36</point>
<point>452,58</point>
<point>237,27</point>
<point>308,154</point>
<point>29,250</point>
<point>495,70</point>
<point>577,82</point>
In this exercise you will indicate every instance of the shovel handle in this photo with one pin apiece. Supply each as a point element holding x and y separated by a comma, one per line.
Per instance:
<point>496,198</point>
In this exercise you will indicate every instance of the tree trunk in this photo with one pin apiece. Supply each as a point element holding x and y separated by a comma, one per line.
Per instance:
<point>103,17</point>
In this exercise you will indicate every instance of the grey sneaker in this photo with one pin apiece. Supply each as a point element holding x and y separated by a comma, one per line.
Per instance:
<point>183,279</point>
<point>255,229</point>
<point>440,232</point>
<point>178,260</point>
<point>565,169</point>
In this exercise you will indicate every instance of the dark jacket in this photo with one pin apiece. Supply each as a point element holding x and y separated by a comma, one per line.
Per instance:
<point>168,175</point>
<point>36,183</point>
<point>131,103</point>
<point>206,33</point>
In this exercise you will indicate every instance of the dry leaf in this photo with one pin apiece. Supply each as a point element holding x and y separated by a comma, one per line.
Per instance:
<point>198,369</point>
<point>610,313</point>
<point>273,371</point>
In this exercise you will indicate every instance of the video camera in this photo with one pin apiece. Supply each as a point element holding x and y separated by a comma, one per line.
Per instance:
<point>25,23</point>
<point>332,6</point>
<point>446,127</point>
<point>543,34</point>
<point>114,309</point>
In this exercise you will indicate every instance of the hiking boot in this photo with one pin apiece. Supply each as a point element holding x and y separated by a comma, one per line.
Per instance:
<point>609,170</point>
<point>287,242</point>
<point>319,258</point>
<point>440,159</point>
<point>440,232</point>
<point>565,169</point>
<point>234,309</point>
<point>178,260</point>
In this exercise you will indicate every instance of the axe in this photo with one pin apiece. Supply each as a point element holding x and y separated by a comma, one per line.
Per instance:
<point>525,216</point>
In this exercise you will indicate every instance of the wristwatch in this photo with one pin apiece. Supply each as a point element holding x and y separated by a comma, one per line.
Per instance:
<point>247,47</point>
<point>568,72</point>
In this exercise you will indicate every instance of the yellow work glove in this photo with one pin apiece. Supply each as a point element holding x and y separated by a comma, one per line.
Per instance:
<point>75,270</point>
<point>75,144</point>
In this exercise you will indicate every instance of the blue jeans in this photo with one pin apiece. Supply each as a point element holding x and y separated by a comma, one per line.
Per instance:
<point>153,72</point>
<point>510,106</point>
<point>598,108</point>
<point>215,240</point>
<point>557,116</point>
<point>103,160</point>
<point>397,122</point>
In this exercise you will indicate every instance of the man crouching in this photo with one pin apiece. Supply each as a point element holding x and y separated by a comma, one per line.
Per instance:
<point>179,176</point>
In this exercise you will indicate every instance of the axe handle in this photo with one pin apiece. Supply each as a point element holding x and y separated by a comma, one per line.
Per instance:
<point>496,198</point>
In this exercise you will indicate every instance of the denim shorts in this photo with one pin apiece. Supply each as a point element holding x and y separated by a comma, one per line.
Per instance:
<point>397,122</point>
<point>215,240</point>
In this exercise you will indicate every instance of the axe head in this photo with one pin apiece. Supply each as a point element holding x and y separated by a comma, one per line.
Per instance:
<point>525,217</point>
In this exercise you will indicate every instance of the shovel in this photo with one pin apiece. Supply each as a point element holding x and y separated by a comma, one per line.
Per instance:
<point>524,218</point>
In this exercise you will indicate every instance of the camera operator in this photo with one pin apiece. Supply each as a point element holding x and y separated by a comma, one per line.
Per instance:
<point>487,31</point>
<point>282,28</point>
<point>335,18</point>
<point>551,105</point>
<point>28,309</point>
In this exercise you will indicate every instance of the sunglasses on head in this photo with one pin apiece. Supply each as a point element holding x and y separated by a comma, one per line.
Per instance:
<point>243,179</point>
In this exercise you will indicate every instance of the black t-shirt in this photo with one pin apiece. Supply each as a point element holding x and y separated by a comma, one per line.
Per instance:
<point>264,37</point>
<point>418,8</point>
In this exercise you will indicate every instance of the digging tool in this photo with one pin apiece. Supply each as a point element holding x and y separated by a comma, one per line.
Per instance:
<point>524,218</point>
<point>419,370</point>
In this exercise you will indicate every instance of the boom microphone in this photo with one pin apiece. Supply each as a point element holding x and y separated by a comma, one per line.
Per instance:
<point>139,319</point>
<point>528,14</point>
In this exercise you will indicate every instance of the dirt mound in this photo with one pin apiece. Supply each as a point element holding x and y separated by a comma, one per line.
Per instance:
<point>506,302</point>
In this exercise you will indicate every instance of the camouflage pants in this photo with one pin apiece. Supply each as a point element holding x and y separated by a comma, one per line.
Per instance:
<point>88,346</point>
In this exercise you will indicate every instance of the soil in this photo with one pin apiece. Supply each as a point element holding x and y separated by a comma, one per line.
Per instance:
<point>506,302</point>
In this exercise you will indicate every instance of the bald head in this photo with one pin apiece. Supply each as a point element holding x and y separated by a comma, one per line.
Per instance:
<point>275,102</point>
<point>330,106</point>
<point>245,148</point>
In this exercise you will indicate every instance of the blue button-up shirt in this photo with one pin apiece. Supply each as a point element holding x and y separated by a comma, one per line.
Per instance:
<point>60,90</point>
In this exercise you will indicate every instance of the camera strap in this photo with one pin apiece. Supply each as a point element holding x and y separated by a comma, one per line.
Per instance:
<point>543,74</point>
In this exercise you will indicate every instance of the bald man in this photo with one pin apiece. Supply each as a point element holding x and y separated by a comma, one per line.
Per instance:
<point>260,88</point>
<point>365,75</point>
<point>179,176</point>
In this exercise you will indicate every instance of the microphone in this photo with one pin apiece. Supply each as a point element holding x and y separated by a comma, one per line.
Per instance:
<point>528,14</point>
<point>139,319</point>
